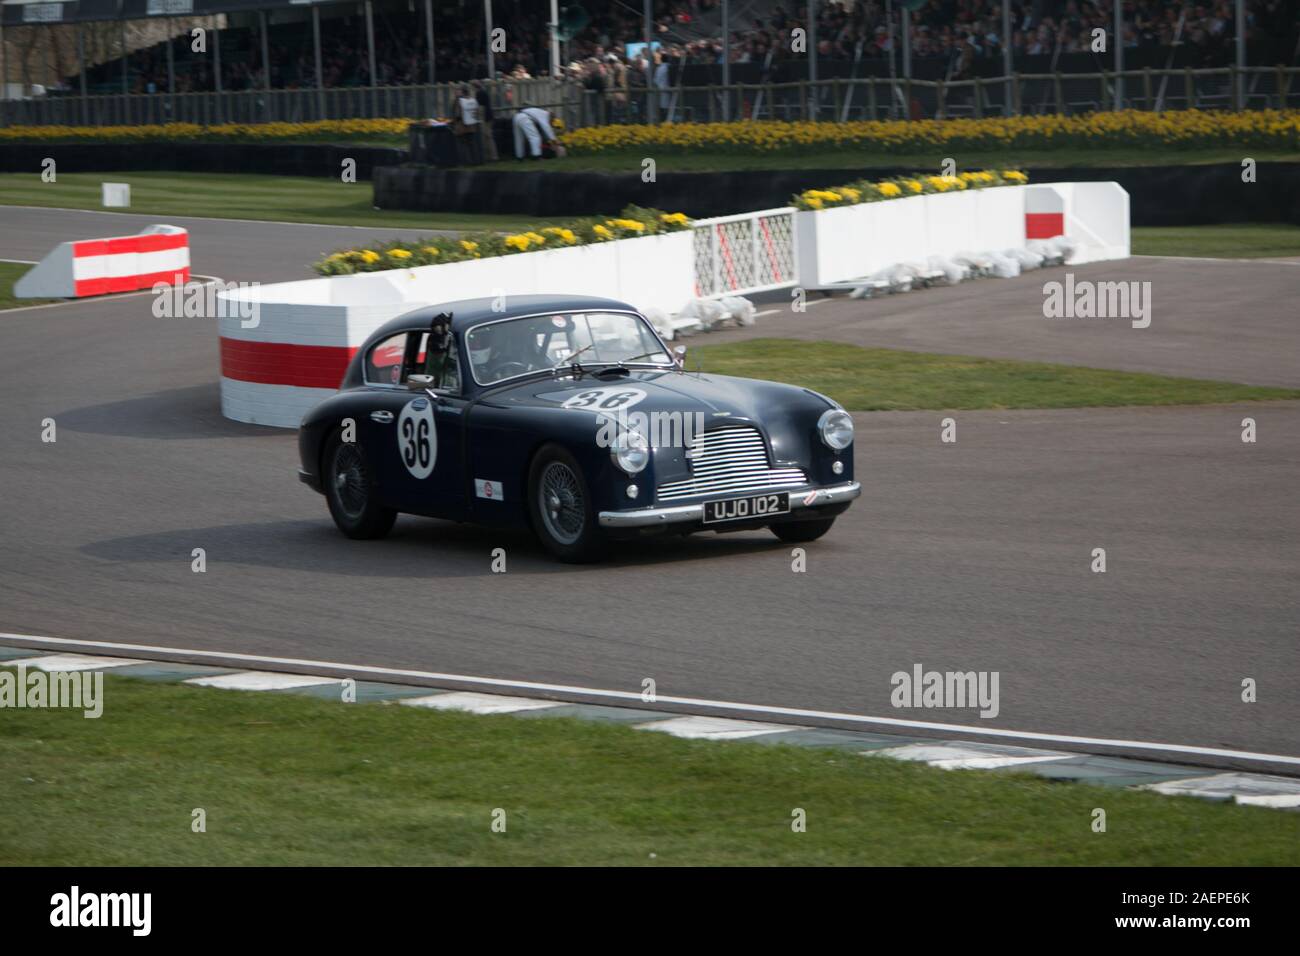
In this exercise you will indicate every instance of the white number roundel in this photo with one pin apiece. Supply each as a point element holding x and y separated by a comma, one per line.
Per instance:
<point>417,437</point>
<point>607,398</point>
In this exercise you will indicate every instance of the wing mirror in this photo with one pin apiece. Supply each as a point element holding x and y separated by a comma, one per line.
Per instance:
<point>679,353</point>
<point>417,383</point>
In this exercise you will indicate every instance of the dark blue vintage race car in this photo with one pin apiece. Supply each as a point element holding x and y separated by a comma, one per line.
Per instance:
<point>569,415</point>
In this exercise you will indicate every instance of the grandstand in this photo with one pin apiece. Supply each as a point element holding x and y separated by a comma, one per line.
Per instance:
<point>125,61</point>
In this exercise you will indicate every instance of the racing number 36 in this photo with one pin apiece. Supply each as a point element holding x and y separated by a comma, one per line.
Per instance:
<point>605,399</point>
<point>417,438</point>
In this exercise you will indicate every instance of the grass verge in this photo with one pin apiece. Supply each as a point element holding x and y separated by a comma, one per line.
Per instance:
<point>242,196</point>
<point>11,272</point>
<point>865,380</point>
<point>292,780</point>
<point>1254,240</point>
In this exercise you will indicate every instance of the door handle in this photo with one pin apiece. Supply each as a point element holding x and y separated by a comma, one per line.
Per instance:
<point>383,417</point>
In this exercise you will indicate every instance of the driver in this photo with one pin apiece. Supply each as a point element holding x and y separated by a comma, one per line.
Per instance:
<point>482,345</point>
<point>510,348</point>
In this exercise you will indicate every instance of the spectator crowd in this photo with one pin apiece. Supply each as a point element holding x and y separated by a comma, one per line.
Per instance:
<point>959,33</point>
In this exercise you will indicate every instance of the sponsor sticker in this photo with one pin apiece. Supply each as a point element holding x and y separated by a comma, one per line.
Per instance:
<point>486,488</point>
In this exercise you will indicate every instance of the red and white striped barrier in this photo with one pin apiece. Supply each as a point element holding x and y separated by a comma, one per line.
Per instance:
<point>87,267</point>
<point>1044,213</point>
<point>276,366</point>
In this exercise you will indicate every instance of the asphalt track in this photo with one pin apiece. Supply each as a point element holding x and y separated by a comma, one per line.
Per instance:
<point>235,249</point>
<point>967,556</point>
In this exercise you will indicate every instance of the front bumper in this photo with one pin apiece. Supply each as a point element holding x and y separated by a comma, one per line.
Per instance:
<point>801,499</point>
<point>310,480</point>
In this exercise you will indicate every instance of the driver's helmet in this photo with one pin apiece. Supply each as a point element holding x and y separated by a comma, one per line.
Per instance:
<point>481,343</point>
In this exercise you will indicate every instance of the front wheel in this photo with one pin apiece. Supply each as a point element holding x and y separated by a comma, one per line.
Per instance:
<point>797,532</point>
<point>350,491</point>
<point>561,508</point>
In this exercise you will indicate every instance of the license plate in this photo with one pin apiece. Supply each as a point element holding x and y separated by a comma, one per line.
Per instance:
<point>751,506</point>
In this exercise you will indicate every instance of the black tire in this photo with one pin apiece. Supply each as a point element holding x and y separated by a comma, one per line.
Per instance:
<point>560,507</point>
<point>349,485</point>
<point>797,532</point>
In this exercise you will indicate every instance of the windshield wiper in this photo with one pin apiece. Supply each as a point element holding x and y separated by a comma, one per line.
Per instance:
<point>641,356</point>
<point>569,359</point>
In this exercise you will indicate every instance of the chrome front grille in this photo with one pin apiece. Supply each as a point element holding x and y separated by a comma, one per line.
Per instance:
<point>731,460</point>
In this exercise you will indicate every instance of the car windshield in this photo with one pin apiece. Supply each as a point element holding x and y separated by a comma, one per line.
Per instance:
<point>502,350</point>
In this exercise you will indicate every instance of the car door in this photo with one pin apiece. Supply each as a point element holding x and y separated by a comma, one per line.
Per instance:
<point>413,434</point>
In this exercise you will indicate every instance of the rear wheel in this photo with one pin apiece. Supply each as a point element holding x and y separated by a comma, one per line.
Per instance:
<point>350,491</point>
<point>797,532</point>
<point>561,509</point>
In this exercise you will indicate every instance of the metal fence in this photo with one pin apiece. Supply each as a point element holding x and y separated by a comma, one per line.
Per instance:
<point>834,100</point>
<point>839,100</point>
<point>751,252</point>
<point>283,106</point>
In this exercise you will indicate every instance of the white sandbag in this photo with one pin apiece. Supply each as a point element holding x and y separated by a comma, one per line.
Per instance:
<point>1004,267</point>
<point>1049,249</point>
<point>1067,247</point>
<point>658,318</point>
<point>739,310</point>
<point>978,263</point>
<point>899,277</point>
<point>1027,258</point>
<point>952,271</point>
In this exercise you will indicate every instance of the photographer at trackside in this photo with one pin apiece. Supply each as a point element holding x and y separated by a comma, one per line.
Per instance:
<point>532,126</point>
<point>466,126</point>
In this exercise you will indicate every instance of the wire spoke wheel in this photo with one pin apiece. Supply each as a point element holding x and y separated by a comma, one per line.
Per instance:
<point>561,502</point>
<point>348,480</point>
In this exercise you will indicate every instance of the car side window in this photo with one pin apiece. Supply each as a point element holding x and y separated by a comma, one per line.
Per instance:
<point>442,365</point>
<point>384,363</point>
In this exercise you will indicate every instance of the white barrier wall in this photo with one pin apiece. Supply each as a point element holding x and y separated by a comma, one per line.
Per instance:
<point>844,243</point>
<point>293,353</point>
<point>849,242</point>
<point>1097,216</point>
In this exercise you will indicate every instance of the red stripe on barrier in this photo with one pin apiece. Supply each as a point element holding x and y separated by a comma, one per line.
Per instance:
<point>160,242</point>
<point>89,287</point>
<point>131,283</point>
<point>771,251</point>
<point>1044,225</point>
<point>281,363</point>
<point>117,245</point>
<point>726,257</point>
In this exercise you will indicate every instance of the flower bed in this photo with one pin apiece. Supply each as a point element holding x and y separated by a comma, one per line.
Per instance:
<point>333,131</point>
<point>633,223</point>
<point>1184,129</point>
<point>918,184</point>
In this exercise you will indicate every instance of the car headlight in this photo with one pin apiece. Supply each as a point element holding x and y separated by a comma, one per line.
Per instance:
<point>631,452</point>
<point>836,427</point>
